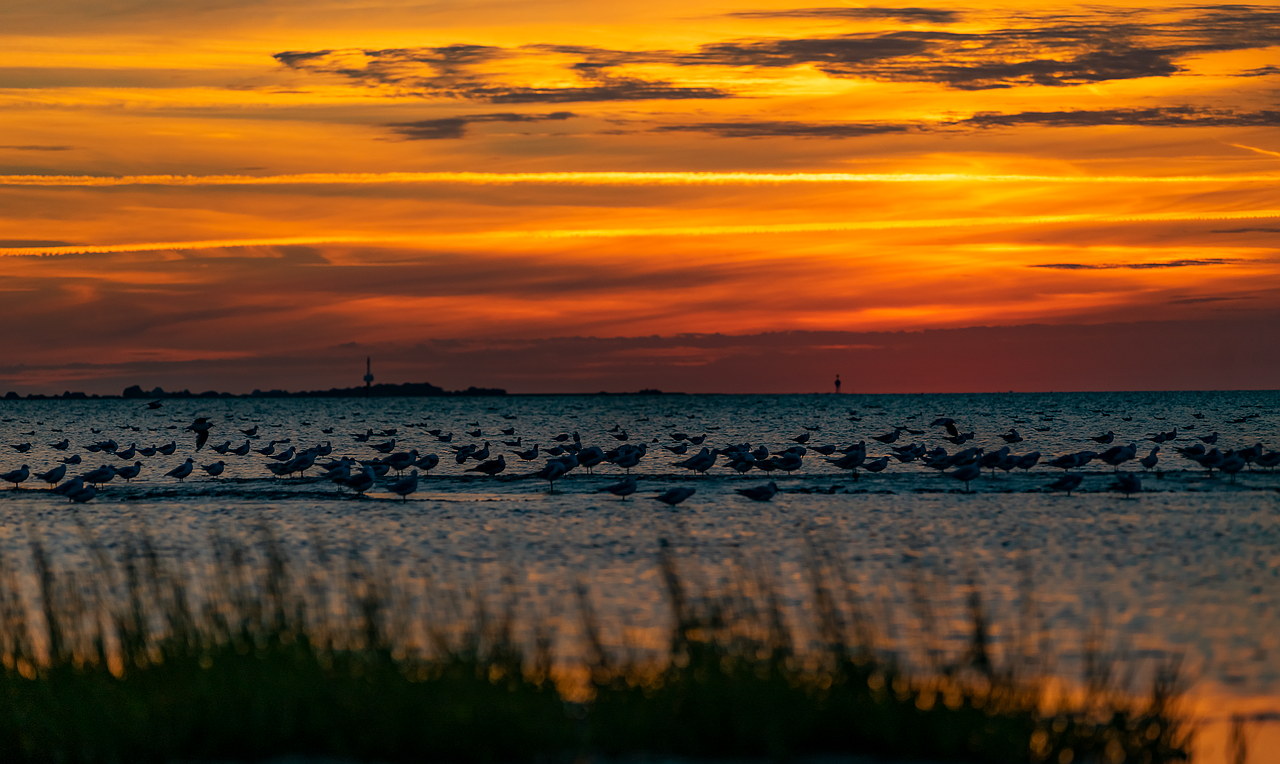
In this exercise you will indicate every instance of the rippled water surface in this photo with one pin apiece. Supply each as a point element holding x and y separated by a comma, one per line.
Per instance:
<point>1190,567</point>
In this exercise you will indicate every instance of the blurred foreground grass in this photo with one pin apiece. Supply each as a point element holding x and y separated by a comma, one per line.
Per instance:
<point>121,665</point>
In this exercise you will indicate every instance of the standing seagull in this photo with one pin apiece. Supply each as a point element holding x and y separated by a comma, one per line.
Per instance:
<point>1127,483</point>
<point>490,468</point>
<point>55,475</point>
<point>1150,459</point>
<point>760,492</point>
<point>623,489</point>
<point>82,494</point>
<point>405,485</point>
<point>104,474</point>
<point>17,476</point>
<point>361,481</point>
<point>966,473</point>
<point>551,472</point>
<point>129,472</point>
<point>1068,482</point>
<point>675,496</point>
<point>182,470</point>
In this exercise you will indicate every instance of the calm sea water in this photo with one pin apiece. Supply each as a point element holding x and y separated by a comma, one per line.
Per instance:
<point>1189,568</point>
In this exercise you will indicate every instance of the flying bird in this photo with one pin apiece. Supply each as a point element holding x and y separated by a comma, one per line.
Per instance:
<point>201,428</point>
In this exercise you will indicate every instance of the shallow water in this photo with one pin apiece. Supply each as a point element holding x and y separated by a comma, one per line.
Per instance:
<point>1189,568</point>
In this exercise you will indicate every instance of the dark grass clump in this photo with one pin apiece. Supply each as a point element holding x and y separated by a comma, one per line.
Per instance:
<point>735,686</point>
<point>251,677</point>
<point>120,666</point>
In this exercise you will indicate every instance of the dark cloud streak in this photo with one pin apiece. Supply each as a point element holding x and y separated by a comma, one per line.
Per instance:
<point>1140,266</point>
<point>1170,116</point>
<point>784,129</point>
<point>907,15</point>
<point>456,127</point>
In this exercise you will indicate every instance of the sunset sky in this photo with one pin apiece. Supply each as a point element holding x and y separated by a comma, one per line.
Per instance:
<point>571,196</point>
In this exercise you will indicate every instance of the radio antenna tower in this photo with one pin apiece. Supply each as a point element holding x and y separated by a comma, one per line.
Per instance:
<point>368,375</point>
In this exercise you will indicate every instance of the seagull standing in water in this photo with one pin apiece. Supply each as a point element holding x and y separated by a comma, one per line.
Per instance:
<point>675,496</point>
<point>405,486</point>
<point>361,481</point>
<point>966,473</point>
<point>182,470</point>
<point>1127,483</point>
<point>17,476</point>
<point>1150,459</point>
<point>490,468</point>
<point>129,471</point>
<point>760,492</point>
<point>551,473</point>
<point>1068,482</point>
<point>55,475</point>
<point>104,474</point>
<point>623,489</point>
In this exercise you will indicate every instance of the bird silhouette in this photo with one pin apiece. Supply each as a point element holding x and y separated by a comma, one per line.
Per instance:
<point>966,474</point>
<point>675,495</point>
<point>1068,482</point>
<point>104,474</point>
<point>551,472</point>
<point>1127,483</point>
<point>492,467</point>
<point>405,486</point>
<point>623,489</point>
<point>200,427</point>
<point>760,492</point>
<point>53,476</point>
<point>182,470</point>
<point>17,476</point>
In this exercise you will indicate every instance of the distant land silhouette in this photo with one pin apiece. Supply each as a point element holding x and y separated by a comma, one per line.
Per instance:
<point>407,390</point>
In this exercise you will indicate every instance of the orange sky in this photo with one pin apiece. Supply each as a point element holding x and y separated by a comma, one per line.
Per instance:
<point>571,196</point>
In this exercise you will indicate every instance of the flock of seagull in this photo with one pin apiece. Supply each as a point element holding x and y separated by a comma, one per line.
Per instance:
<point>569,454</point>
